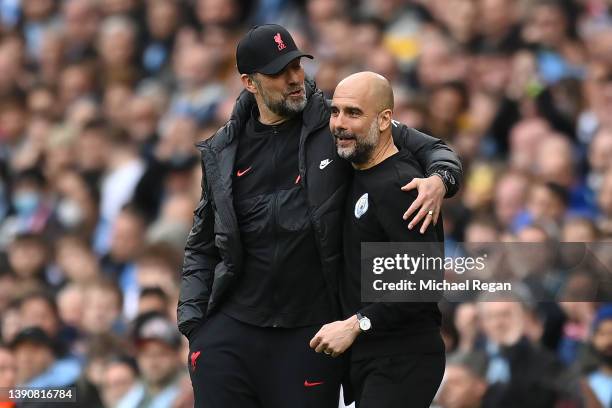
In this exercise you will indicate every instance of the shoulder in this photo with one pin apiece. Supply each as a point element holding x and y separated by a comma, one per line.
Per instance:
<point>407,167</point>
<point>385,185</point>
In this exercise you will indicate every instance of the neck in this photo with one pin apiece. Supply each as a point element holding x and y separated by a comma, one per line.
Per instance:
<point>267,117</point>
<point>382,152</point>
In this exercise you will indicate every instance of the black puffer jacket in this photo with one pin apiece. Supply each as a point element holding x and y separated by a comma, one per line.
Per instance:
<point>213,253</point>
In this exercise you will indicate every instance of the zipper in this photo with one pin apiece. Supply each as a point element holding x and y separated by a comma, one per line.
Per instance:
<point>274,266</point>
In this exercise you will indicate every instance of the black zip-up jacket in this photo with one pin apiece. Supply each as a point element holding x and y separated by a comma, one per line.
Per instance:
<point>214,252</point>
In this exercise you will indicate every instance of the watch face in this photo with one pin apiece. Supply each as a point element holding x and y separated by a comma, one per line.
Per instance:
<point>364,324</point>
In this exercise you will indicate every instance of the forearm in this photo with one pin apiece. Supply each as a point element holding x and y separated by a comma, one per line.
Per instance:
<point>433,155</point>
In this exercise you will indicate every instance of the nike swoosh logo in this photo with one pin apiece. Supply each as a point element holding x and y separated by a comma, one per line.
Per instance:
<point>324,163</point>
<point>241,173</point>
<point>312,384</point>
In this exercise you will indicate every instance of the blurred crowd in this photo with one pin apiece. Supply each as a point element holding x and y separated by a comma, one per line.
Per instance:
<point>101,102</point>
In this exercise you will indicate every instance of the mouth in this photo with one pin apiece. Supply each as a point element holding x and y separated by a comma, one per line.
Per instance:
<point>298,92</point>
<point>343,136</point>
<point>344,141</point>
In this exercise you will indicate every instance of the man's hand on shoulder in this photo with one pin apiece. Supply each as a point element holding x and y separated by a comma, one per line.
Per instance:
<point>431,192</point>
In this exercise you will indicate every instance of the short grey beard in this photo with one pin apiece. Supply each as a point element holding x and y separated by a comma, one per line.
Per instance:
<point>362,151</point>
<point>284,108</point>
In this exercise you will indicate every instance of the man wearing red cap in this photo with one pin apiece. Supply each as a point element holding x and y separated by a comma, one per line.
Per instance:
<point>260,274</point>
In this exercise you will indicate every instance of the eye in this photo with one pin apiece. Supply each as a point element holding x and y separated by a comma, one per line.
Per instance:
<point>334,111</point>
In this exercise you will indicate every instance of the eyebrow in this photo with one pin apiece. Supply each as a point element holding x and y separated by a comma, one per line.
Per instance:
<point>349,109</point>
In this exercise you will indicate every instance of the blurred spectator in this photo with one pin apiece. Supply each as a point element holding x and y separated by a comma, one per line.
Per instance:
<point>119,378</point>
<point>28,258</point>
<point>70,304</point>
<point>38,362</point>
<point>579,229</point>
<point>600,152</point>
<point>600,380</point>
<point>464,384</point>
<point>157,266</point>
<point>510,197</point>
<point>517,369</point>
<point>8,375</point>
<point>604,200</point>
<point>152,299</point>
<point>159,362</point>
<point>173,224</point>
<point>81,19</point>
<point>125,169</point>
<point>77,204</point>
<point>102,311</point>
<point>197,91</point>
<point>33,207</point>
<point>116,45</point>
<point>38,309</point>
<point>162,23</point>
<point>7,368</point>
<point>11,323</point>
<point>75,261</point>
<point>125,246</point>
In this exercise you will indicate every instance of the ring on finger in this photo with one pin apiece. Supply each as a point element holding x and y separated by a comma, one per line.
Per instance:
<point>430,212</point>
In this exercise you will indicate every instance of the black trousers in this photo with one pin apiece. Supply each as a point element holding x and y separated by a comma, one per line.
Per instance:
<point>405,380</point>
<point>233,364</point>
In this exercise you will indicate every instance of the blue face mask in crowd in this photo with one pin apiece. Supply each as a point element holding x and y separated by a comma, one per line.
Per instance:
<point>26,202</point>
<point>69,213</point>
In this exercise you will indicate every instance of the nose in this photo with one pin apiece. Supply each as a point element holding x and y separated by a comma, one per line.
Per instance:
<point>293,75</point>
<point>336,122</point>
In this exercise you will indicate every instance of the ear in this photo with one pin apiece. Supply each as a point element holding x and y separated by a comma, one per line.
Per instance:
<point>248,83</point>
<point>384,119</point>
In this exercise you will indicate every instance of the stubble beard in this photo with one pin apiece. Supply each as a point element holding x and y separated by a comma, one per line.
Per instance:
<point>287,106</point>
<point>362,150</point>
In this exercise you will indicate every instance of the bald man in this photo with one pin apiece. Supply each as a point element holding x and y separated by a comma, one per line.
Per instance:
<point>261,265</point>
<point>396,351</point>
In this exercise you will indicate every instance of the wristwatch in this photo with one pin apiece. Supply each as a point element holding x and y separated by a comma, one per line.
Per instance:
<point>447,178</point>
<point>364,323</point>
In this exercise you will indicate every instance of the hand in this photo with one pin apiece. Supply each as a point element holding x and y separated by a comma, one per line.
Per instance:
<point>335,338</point>
<point>431,193</point>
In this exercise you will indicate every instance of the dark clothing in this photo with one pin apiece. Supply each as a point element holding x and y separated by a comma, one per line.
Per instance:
<point>373,213</point>
<point>214,253</point>
<point>241,365</point>
<point>402,380</point>
<point>278,239</point>
<point>535,378</point>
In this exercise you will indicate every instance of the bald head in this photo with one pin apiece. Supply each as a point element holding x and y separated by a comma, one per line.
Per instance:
<point>368,86</point>
<point>361,119</point>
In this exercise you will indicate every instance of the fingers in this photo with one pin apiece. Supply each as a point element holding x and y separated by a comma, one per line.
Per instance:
<point>428,219</point>
<point>314,342</point>
<point>413,207</point>
<point>413,184</point>
<point>321,347</point>
<point>436,214</point>
<point>420,215</point>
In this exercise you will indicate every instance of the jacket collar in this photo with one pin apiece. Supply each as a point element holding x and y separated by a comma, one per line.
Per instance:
<point>315,115</point>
